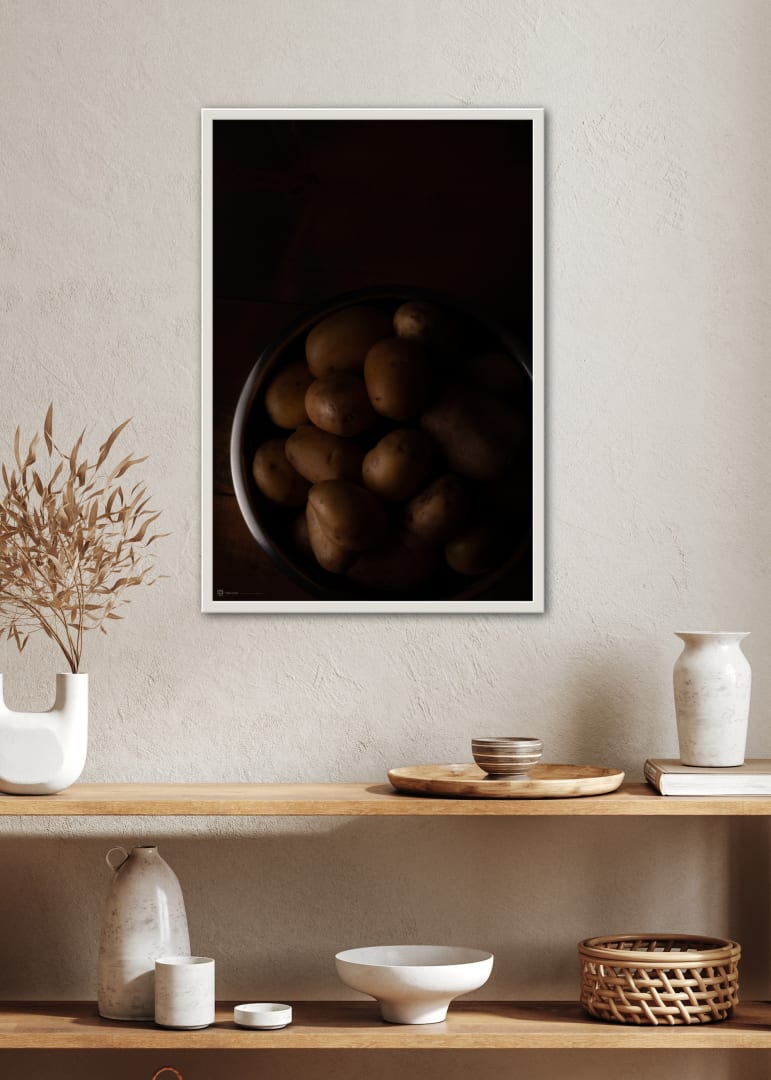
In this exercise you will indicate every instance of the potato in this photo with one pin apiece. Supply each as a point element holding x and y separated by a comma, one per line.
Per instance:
<point>318,456</point>
<point>477,433</point>
<point>427,324</point>
<point>341,340</point>
<point>398,465</point>
<point>300,536</point>
<point>328,554</point>
<point>395,568</point>
<point>439,512</point>
<point>275,477</point>
<point>496,372</point>
<point>478,550</point>
<point>350,515</point>
<point>339,404</point>
<point>285,396</point>
<point>397,374</point>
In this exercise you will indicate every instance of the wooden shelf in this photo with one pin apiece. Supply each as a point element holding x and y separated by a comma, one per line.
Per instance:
<point>354,800</point>
<point>479,1025</point>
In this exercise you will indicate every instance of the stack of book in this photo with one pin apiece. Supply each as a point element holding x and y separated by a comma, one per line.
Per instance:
<point>669,777</point>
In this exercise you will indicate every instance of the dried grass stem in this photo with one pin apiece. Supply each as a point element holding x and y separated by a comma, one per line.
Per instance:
<point>72,541</point>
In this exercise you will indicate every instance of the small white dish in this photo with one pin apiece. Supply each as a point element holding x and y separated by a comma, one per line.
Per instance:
<point>414,983</point>
<point>262,1014</point>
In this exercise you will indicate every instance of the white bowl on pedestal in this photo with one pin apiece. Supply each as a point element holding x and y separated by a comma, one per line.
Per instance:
<point>414,983</point>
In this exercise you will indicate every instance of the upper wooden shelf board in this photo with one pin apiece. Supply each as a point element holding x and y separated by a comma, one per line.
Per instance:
<point>480,1025</point>
<point>353,800</point>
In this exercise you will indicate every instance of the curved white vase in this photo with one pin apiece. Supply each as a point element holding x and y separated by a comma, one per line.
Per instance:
<point>44,752</point>
<point>712,681</point>
<point>144,920</point>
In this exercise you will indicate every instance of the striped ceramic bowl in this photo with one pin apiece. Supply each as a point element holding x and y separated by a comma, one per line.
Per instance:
<point>507,755</point>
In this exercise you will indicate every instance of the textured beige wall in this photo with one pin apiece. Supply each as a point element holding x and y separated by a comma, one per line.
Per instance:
<point>657,498</point>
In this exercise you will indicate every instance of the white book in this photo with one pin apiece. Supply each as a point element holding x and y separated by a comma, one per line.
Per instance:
<point>669,777</point>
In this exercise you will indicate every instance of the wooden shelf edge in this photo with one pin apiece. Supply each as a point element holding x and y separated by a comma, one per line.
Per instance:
<point>354,800</point>
<point>479,1025</point>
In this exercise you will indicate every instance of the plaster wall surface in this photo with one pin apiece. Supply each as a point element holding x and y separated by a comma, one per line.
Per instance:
<point>658,393</point>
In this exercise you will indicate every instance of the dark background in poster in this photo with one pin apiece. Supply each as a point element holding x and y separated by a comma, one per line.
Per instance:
<point>306,209</point>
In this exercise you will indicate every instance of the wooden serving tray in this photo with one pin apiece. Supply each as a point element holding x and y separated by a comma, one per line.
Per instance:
<point>541,782</point>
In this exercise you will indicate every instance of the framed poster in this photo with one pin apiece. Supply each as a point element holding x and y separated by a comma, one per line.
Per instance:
<point>372,360</point>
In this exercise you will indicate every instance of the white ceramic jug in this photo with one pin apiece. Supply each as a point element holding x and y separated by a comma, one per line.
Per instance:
<point>144,919</point>
<point>712,682</point>
<point>44,752</point>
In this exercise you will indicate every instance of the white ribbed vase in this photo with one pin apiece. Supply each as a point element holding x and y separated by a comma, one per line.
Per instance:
<point>712,681</point>
<point>44,752</point>
<point>144,919</point>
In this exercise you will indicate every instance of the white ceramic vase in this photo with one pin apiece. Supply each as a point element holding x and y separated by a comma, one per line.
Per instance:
<point>712,681</point>
<point>44,752</point>
<point>144,920</point>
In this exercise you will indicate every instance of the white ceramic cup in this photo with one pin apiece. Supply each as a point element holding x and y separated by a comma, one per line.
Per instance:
<point>184,991</point>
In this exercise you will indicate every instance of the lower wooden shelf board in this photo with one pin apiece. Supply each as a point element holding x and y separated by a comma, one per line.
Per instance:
<point>345,1025</point>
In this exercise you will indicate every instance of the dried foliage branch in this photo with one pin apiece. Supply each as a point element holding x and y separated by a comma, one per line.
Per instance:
<point>72,541</point>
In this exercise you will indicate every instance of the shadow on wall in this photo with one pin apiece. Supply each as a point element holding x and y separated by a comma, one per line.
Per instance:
<point>749,873</point>
<point>274,908</point>
<point>616,710</point>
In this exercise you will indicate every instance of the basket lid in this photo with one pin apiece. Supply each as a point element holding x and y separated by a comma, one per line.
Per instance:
<point>659,949</point>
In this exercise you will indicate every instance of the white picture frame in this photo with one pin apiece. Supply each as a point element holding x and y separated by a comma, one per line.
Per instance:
<point>214,600</point>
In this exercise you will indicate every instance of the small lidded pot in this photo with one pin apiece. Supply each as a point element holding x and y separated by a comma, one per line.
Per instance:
<point>509,756</point>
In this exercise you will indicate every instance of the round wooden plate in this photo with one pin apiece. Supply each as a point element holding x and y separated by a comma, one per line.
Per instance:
<point>541,782</point>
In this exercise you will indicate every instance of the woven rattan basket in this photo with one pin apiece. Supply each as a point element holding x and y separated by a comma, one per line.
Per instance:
<point>659,978</point>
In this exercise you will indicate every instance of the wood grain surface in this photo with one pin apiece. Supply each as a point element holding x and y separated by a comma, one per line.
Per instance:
<point>356,800</point>
<point>345,1025</point>
<point>542,781</point>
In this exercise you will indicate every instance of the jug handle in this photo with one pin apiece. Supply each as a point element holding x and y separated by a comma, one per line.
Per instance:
<point>116,866</point>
